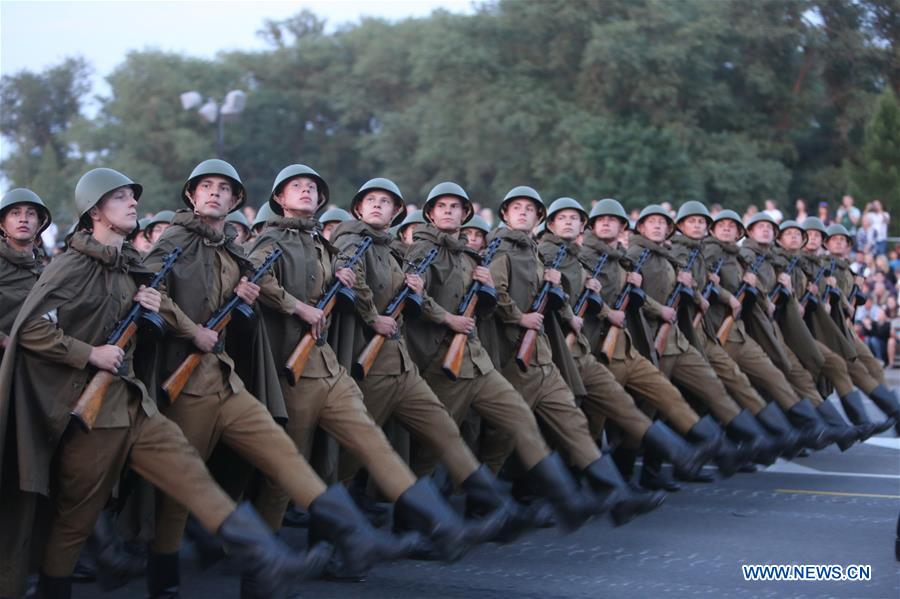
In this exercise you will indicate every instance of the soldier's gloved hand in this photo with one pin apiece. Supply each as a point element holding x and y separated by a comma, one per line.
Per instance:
<point>415,282</point>
<point>616,318</point>
<point>483,276</point>
<point>459,324</point>
<point>312,316</point>
<point>205,339</point>
<point>532,320</point>
<point>385,325</point>
<point>346,276</point>
<point>593,284</point>
<point>669,314</point>
<point>247,291</point>
<point>634,278</point>
<point>106,357</point>
<point>149,299</point>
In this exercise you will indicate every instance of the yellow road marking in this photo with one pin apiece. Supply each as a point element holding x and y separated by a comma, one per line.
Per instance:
<point>837,493</point>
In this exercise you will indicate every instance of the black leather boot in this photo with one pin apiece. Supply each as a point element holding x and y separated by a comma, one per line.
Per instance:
<point>776,422</point>
<point>654,477</point>
<point>625,458</point>
<point>51,587</point>
<point>887,402</point>
<point>745,428</point>
<point>552,480</point>
<point>666,443</point>
<point>422,508</point>
<point>856,412</point>
<point>163,578</point>
<point>484,496</point>
<point>816,435</point>
<point>613,494</point>
<point>335,518</point>
<point>115,565</point>
<point>269,568</point>
<point>845,435</point>
<point>727,455</point>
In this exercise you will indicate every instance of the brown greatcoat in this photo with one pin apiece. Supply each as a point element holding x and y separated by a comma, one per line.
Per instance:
<point>18,273</point>
<point>826,323</point>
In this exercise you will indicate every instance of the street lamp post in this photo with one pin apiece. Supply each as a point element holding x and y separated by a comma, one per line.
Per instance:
<point>216,112</point>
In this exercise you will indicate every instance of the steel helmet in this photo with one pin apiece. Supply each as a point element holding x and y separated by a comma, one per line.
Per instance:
<point>214,166</point>
<point>297,170</point>
<point>523,191</point>
<point>95,184</point>
<point>652,209</point>
<point>384,185</point>
<point>608,207</point>
<point>22,195</point>
<point>447,188</point>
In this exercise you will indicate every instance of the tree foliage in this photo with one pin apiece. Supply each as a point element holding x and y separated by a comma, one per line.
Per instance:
<point>643,100</point>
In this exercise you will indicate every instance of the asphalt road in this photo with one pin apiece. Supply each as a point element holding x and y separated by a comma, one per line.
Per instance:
<point>829,508</point>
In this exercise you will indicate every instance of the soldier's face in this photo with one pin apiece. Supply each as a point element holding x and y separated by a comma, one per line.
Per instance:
<point>813,241</point>
<point>377,209</point>
<point>791,239</point>
<point>567,224</point>
<point>299,197</point>
<point>243,234</point>
<point>521,215</point>
<point>447,213</point>
<point>116,210</point>
<point>654,227</point>
<point>726,231</point>
<point>156,231</point>
<point>213,197</point>
<point>20,223</point>
<point>328,229</point>
<point>693,226</point>
<point>141,243</point>
<point>837,245</point>
<point>762,232</point>
<point>607,228</point>
<point>407,233</point>
<point>475,238</point>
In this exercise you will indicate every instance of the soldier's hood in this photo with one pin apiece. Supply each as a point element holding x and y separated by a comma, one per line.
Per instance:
<point>455,242</point>
<point>572,248</point>
<point>357,228</point>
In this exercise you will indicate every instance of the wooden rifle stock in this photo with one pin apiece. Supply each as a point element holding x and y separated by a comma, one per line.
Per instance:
<point>88,405</point>
<point>743,290</point>
<point>296,362</point>
<point>571,337</point>
<point>612,335</point>
<point>174,385</point>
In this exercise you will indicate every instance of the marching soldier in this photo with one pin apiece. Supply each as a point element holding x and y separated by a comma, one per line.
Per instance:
<point>23,217</point>
<point>259,222</point>
<point>680,360</point>
<point>62,327</point>
<point>408,227</point>
<point>837,241</point>
<point>476,383</point>
<point>692,222</point>
<point>631,357</point>
<point>519,273</point>
<point>158,224</point>
<point>330,219</point>
<point>214,404</point>
<point>476,231</point>
<point>137,237</point>
<point>393,385</point>
<point>324,394</point>
<point>605,398</point>
<point>783,331</point>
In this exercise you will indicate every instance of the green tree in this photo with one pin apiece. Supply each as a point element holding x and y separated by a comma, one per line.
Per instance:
<point>877,175</point>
